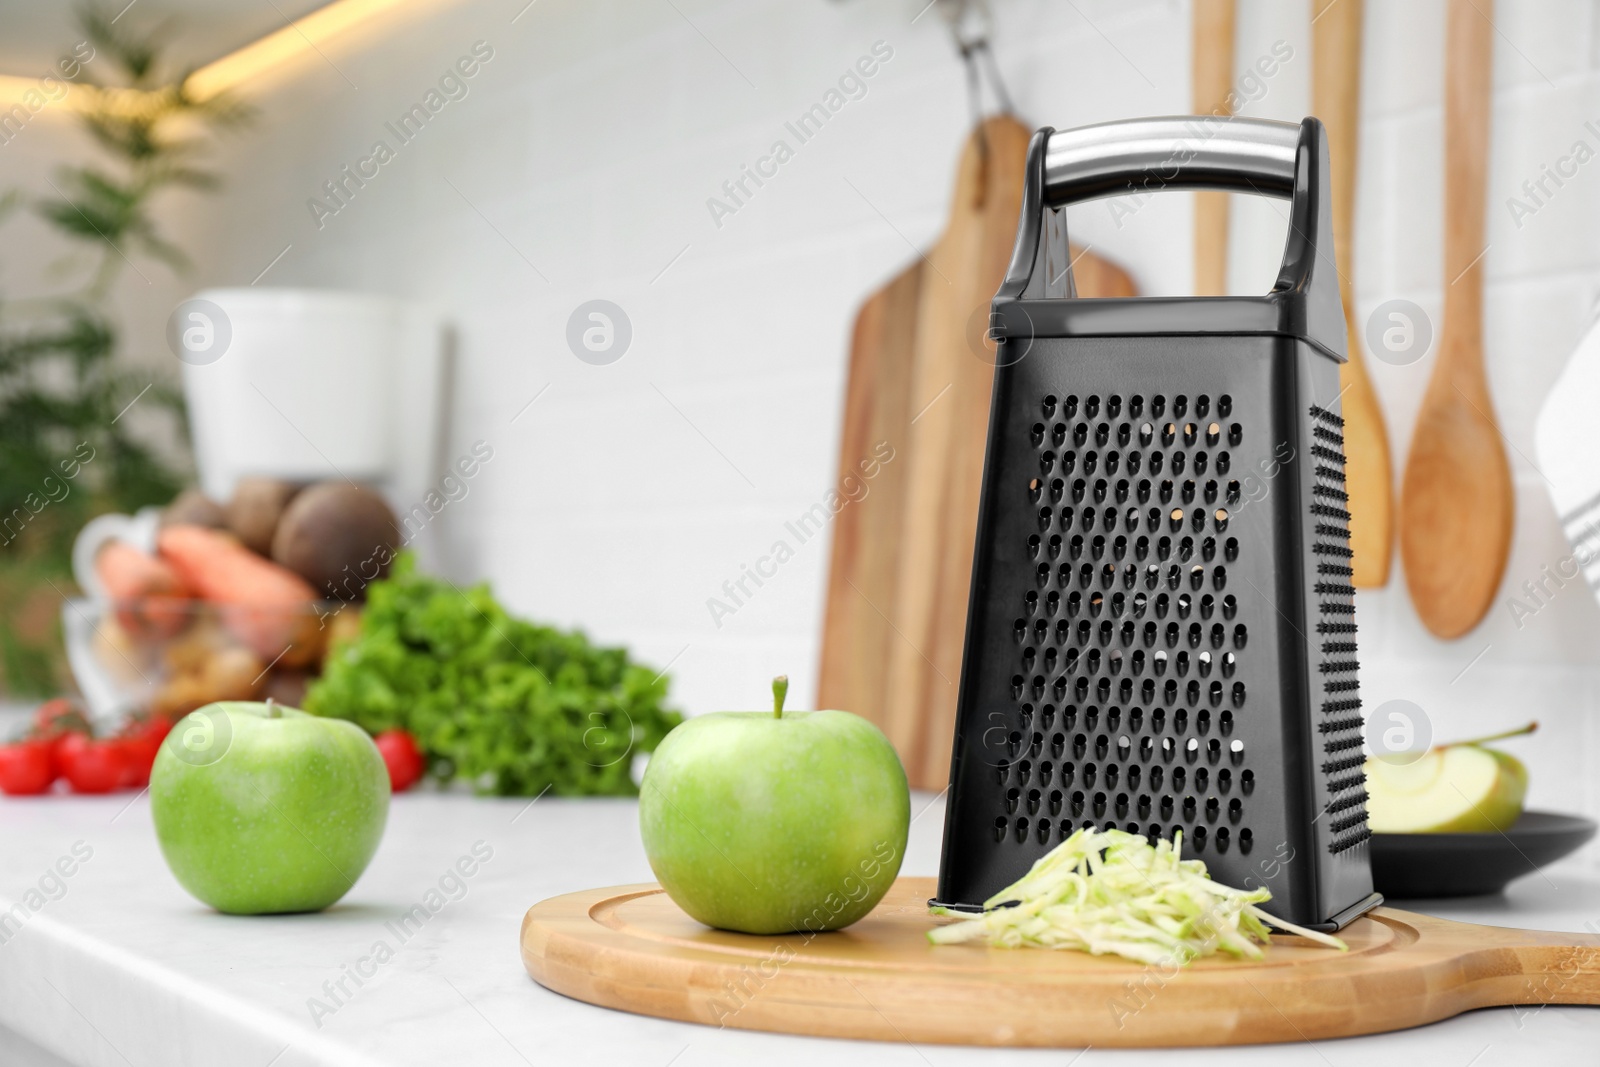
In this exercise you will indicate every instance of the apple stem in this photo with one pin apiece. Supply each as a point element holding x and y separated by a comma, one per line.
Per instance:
<point>273,711</point>
<point>1518,732</point>
<point>780,690</point>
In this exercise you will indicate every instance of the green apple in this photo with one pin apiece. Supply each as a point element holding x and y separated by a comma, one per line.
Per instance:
<point>769,823</point>
<point>1461,788</point>
<point>263,809</point>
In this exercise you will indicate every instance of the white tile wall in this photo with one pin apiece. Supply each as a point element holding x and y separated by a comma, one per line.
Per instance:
<point>589,145</point>
<point>1542,279</point>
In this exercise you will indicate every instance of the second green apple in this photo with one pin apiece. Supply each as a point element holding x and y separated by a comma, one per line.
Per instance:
<point>775,822</point>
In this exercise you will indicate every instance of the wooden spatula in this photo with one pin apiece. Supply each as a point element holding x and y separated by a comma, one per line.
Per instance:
<point>1456,500</point>
<point>1211,84</point>
<point>1336,100</point>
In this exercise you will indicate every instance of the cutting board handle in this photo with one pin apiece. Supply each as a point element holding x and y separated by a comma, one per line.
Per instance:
<point>1142,156</point>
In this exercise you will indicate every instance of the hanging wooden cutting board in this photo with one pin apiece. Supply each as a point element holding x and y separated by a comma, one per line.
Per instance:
<point>863,575</point>
<point>920,376</point>
<point>631,948</point>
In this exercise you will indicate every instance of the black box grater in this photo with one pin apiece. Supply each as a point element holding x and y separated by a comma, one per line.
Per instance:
<point>1161,630</point>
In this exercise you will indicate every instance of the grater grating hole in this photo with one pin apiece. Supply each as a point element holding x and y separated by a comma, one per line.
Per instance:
<point>1116,618</point>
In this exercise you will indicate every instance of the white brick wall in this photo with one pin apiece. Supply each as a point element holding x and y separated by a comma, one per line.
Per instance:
<point>591,143</point>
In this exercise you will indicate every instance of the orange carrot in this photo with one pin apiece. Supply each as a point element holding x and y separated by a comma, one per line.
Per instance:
<point>223,570</point>
<point>151,598</point>
<point>267,606</point>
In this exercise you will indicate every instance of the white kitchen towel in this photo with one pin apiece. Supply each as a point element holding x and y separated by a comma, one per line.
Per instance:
<point>1568,445</point>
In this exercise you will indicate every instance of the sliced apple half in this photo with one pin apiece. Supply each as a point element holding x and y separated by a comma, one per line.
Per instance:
<point>1455,789</point>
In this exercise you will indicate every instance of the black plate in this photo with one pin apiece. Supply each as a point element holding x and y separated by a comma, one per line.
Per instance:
<point>1410,866</point>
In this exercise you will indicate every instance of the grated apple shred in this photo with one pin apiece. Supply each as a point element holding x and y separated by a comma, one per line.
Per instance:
<point>1109,892</point>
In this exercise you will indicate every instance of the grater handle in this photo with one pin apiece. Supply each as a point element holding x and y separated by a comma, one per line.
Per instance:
<point>1147,155</point>
<point>1290,160</point>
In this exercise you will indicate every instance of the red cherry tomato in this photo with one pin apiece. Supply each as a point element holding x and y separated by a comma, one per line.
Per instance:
<point>26,768</point>
<point>53,722</point>
<point>141,742</point>
<point>55,741</point>
<point>92,765</point>
<point>402,757</point>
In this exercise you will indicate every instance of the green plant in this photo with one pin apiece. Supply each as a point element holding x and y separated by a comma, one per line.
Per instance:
<point>62,392</point>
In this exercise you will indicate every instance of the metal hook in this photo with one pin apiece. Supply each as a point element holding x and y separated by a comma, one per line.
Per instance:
<point>971,25</point>
<point>970,21</point>
<point>997,84</point>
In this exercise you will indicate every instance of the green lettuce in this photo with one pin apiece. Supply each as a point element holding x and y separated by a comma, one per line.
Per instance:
<point>509,706</point>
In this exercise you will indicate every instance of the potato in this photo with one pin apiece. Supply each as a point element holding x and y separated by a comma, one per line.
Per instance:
<point>287,636</point>
<point>344,626</point>
<point>286,687</point>
<point>188,652</point>
<point>179,695</point>
<point>193,508</point>
<point>233,674</point>
<point>339,537</point>
<point>230,673</point>
<point>256,509</point>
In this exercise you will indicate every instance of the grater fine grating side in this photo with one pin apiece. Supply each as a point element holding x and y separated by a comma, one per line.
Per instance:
<point>1161,630</point>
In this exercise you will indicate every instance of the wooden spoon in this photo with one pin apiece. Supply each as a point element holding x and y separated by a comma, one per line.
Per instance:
<point>1336,100</point>
<point>1212,84</point>
<point>1456,500</point>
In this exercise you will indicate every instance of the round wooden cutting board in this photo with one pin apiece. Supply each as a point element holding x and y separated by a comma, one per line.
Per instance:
<point>630,947</point>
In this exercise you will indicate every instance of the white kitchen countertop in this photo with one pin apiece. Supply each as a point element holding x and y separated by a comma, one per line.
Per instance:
<point>123,968</point>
